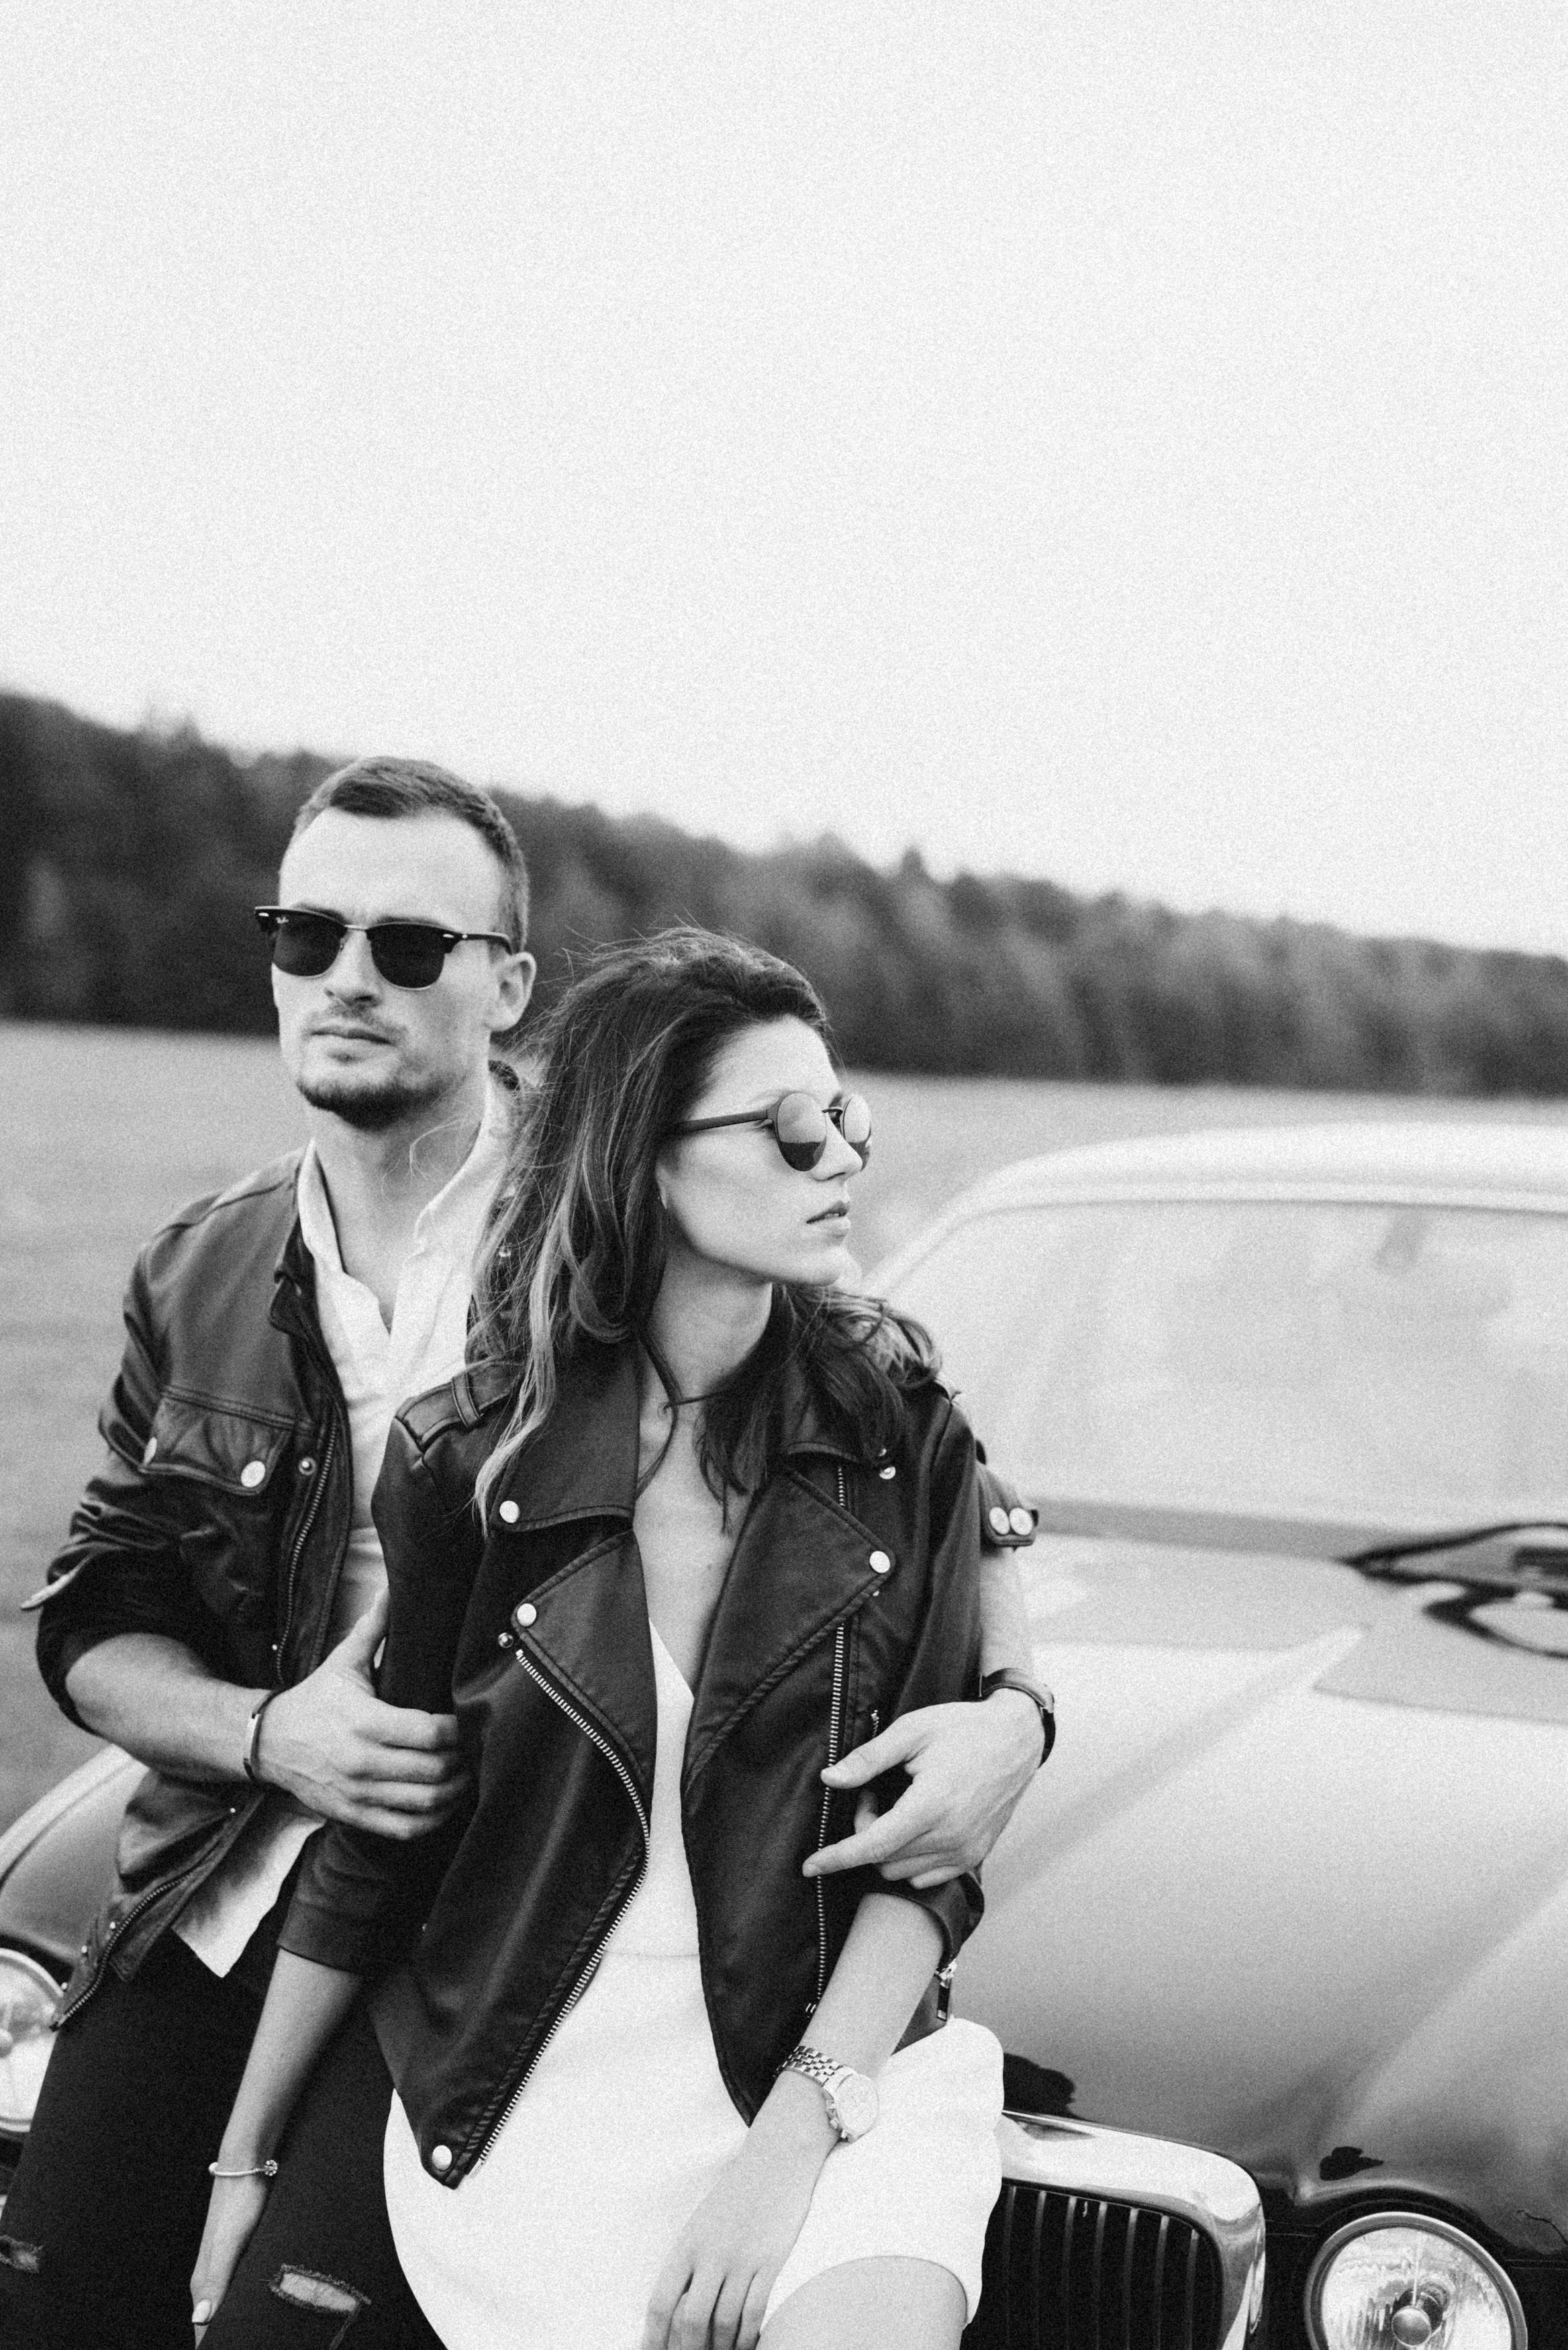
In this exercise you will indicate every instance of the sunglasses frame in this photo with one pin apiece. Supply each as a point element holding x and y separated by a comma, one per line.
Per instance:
<point>769,1119</point>
<point>272,918</point>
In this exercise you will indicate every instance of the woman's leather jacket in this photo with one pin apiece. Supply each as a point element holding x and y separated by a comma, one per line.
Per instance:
<point>852,1596</point>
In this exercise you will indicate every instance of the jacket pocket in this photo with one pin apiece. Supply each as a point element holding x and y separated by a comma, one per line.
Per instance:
<point>215,1444</point>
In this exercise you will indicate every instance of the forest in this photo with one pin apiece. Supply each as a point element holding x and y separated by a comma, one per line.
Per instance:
<point>131,859</point>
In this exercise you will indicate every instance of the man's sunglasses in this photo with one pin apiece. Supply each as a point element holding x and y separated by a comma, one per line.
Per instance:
<point>406,954</point>
<point>799,1126</point>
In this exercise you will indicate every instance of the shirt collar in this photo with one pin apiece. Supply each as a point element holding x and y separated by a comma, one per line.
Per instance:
<point>452,1221</point>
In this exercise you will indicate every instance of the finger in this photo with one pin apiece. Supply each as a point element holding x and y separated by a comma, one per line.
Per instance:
<point>673,2278</point>
<point>892,1746</point>
<point>406,1726</point>
<point>749,2331</point>
<point>728,2311</point>
<point>694,2315</point>
<point>867,1849</point>
<point>425,1804</point>
<point>409,1766</point>
<point>365,1636</point>
<point>397,1827</point>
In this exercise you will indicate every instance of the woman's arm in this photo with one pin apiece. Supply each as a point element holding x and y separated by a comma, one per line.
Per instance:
<point>725,2260</point>
<point>304,2005</point>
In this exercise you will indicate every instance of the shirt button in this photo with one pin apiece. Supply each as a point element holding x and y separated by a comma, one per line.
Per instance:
<point>886,1473</point>
<point>1000,1523</point>
<point>524,1614</point>
<point>509,1514</point>
<point>1021,1520</point>
<point>440,2158</point>
<point>253,1474</point>
<point>149,1450</point>
<point>879,1562</point>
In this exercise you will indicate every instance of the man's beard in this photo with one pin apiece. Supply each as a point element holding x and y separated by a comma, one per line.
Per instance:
<point>371,1109</point>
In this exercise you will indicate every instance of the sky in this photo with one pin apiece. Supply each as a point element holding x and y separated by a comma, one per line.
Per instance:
<point>1124,443</point>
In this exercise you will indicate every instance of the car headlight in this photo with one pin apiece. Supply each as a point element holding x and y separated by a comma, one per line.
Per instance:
<point>1400,2280</point>
<point>28,1998</point>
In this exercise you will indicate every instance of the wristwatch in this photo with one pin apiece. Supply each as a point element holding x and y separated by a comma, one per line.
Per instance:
<point>1005,1678</point>
<point>850,2096</point>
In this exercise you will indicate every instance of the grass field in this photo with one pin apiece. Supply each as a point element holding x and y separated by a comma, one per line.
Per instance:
<point>108,1130</point>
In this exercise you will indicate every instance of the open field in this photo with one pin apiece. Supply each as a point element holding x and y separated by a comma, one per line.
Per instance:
<point>107,1130</point>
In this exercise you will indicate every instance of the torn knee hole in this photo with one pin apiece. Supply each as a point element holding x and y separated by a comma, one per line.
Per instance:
<point>15,2254</point>
<point>306,2289</point>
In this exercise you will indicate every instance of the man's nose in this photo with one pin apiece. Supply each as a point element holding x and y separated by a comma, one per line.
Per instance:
<point>353,976</point>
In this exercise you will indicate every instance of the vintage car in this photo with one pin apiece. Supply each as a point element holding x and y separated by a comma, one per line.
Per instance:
<point>1277,1943</point>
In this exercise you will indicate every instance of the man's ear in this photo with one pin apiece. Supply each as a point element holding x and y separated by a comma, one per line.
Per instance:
<point>515,975</point>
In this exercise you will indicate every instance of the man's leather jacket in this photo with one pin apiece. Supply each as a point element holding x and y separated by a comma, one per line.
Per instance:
<point>852,1596</point>
<point>220,1518</point>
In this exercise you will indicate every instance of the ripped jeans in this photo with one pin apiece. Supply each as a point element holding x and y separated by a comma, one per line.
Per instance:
<point>101,2229</point>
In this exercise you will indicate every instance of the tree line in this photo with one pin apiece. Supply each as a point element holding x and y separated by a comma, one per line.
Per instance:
<point>130,861</point>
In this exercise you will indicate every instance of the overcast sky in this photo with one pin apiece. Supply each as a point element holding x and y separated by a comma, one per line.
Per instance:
<point>1124,443</point>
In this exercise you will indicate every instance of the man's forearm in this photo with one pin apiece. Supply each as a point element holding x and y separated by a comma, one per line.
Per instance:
<point>152,1696</point>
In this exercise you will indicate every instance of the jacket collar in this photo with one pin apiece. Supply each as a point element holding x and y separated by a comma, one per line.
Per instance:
<point>583,1463</point>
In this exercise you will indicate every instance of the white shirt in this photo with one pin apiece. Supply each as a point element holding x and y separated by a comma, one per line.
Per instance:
<point>378,1368</point>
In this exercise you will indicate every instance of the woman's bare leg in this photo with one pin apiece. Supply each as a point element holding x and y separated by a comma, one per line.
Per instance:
<point>880,2304</point>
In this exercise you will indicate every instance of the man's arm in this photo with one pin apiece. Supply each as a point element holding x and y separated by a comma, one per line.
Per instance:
<point>121,1634</point>
<point>968,1764</point>
<point>329,1741</point>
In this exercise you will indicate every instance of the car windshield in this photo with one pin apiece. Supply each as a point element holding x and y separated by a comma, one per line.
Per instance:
<point>1395,1366</point>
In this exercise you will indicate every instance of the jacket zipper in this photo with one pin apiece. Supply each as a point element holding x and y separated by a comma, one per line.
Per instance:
<point>596,1739</point>
<point>297,1553</point>
<point>117,1933</point>
<point>835,1728</point>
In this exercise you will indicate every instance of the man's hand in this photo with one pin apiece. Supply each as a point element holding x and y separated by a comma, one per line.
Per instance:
<point>332,1742</point>
<point>967,1766</point>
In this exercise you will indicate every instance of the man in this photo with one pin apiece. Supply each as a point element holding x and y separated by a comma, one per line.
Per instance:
<point>217,1607</point>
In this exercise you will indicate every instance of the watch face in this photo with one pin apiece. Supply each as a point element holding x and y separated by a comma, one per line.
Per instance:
<point>854,2099</point>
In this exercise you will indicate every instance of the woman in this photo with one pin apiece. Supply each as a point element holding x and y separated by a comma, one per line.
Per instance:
<point>696,1521</point>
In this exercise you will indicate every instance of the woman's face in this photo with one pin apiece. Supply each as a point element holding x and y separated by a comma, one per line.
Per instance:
<point>731,1201</point>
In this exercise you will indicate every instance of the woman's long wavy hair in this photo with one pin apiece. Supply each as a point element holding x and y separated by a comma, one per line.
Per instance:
<point>576,1249</point>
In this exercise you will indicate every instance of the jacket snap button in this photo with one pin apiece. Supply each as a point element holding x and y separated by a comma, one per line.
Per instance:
<point>308,1465</point>
<point>508,1513</point>
<point>524,1614</point>
<point>149,1450</point>
<point>440,2158</point>
<point>253,1473</point>
<point>886,1473</point>
<point>1021,1520</point>
<point>1000,1523</point>
<point>879,1562</point>
<point>503,1640</point>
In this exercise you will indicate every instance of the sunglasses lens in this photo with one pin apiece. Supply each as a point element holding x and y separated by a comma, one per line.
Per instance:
<point>855,1124</point>
<point>305,945</point>
<point>408,955</point>
<point>800,1131</point>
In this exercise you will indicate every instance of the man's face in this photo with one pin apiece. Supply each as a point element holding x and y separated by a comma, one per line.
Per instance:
<point>374,1054</point>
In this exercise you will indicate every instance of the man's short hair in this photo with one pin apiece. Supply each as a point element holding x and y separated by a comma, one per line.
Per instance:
<point>393,787</point>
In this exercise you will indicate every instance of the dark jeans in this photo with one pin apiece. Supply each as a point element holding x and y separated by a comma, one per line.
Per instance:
<point>102,2226</point>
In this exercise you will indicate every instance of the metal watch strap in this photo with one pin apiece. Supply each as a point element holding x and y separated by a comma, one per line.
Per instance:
<point>804,2058</point>
<point>1038,1694</point>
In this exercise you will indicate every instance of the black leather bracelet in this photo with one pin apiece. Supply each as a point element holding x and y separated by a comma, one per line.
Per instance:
<point>1038,1694</point>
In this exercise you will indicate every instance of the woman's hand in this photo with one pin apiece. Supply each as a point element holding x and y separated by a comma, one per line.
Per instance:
<point>713,2289</point>
<point>233,2209</point>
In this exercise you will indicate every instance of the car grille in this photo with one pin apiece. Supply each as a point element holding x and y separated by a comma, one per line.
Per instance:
<point>1077,2273</point>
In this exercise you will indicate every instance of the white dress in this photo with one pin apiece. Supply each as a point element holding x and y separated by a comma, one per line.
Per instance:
<point>554,2240</point>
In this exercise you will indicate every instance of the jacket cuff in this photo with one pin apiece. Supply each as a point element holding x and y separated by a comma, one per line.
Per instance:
<point>363,1947</point>
<point>958,1906</point>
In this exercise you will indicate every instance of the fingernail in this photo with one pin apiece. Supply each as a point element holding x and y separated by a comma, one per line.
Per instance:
<point>200,2315</point>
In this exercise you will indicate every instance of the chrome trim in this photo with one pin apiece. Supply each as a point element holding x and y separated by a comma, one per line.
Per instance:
<point>1368,2225</point>
<point>1210,2193</point>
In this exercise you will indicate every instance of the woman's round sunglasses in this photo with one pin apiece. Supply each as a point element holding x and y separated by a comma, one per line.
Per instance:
<point>799,1126</point>
<point>406,954</point>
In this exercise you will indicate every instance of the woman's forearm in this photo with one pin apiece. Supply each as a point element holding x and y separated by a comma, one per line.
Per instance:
<point>304,2005</point>
<point>892,1950</point>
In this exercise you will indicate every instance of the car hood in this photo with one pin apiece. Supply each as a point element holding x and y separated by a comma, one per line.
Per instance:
<point>1294,1883</point>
